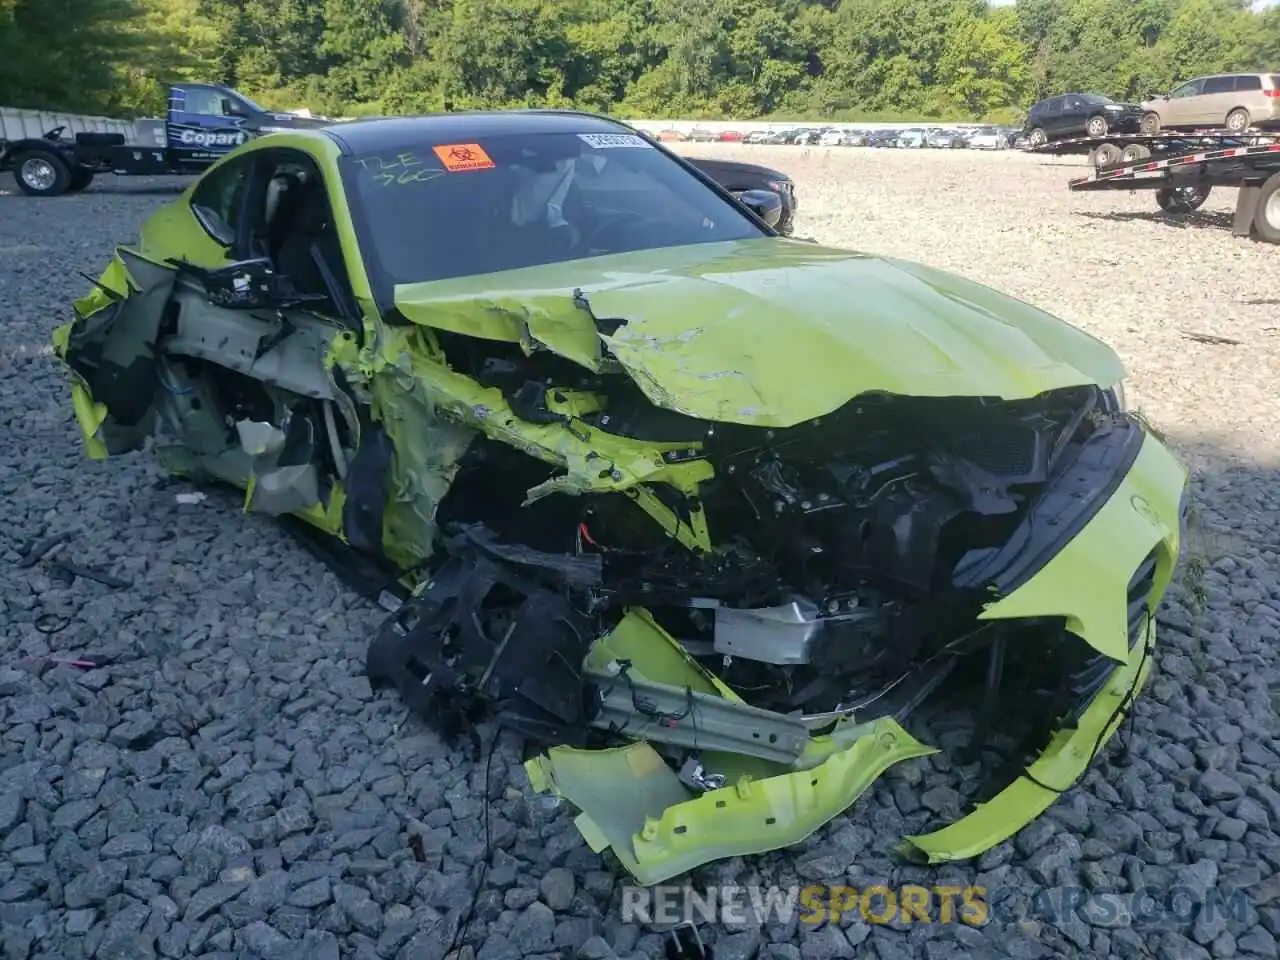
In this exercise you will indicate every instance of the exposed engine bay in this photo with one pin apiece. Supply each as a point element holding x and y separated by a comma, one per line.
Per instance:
<point>839,581</point>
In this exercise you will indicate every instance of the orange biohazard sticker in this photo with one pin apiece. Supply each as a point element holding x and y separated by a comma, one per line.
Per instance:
<point>463,156</point>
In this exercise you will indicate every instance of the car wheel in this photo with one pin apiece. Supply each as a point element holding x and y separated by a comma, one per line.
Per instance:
<point>1134,152</point>
<point>42,173</point>
<point>1097,126</point>
<point>1238,120</point>
<point>1181,199</point>
<point>1266,219</point>
<point>1150,124</point>
<point>1037,138</point>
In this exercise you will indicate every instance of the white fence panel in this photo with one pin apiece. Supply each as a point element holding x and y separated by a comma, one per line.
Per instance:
<point>17,124</point>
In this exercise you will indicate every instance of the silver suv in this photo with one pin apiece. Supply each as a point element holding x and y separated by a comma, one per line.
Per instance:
<point>1237,101</point>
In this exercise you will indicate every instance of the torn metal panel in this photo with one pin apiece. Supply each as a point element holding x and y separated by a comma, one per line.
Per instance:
<point>635,804</point>
<point>695,322</point>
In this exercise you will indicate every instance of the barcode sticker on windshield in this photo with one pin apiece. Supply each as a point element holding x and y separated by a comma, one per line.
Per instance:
<point>605,141</point>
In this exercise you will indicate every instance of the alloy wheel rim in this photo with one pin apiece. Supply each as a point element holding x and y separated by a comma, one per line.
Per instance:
<point>38,174</point>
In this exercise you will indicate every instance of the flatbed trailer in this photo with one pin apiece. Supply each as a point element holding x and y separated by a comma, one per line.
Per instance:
<point>1183,181</point>
<point>1115,148</point>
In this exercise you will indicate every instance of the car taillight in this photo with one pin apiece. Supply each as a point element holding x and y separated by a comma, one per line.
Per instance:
<point>1271,93</point>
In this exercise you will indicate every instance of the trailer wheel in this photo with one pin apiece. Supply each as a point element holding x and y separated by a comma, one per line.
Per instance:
<point>1150,124</point>
<point>1182,199</point>
<point>1106,155</point>
<point>42,173</point>
<point>1037,138</point>
<point>1238,120</point>
<point>80,180</point>
<point>1134,152</point>
<point>1097,126</point>
<point>1266,218</point>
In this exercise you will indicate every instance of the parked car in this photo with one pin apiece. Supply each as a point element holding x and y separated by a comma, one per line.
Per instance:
<point>779,136</point>
<point>730,136</point>
<point>671,136</point>
<point>756,136</point>
<point>1236,101</point>
<point>913,139</point>
<point>988,138</point>
<point>944,139</point>
<point>1079,115</point>
<point>702,135</point>
<point>832,138</point>
<point>737,177</point>
<point>882,138</point>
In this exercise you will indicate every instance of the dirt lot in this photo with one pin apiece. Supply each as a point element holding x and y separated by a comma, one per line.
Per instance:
<point>226,785</point>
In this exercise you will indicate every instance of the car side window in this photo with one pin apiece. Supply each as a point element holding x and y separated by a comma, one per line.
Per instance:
<point>204,101</point>
<point>291,221</point>
<point>1249,82</point>
<point>1073,103</point>
<point>1189,89</point>
<point>1219,85</point>
<point>216,200</point>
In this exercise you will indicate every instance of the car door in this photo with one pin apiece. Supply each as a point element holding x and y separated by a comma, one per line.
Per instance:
<point>225,361</point>
<point>1050,119</point>
<point>1180,110</point>
<point>1073,121</point>
<point>1217,98</point>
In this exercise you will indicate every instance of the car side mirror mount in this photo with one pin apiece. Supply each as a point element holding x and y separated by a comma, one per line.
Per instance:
<point>765,204</point>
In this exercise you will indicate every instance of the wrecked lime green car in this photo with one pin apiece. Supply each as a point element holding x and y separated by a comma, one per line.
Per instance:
<point>715,517</point>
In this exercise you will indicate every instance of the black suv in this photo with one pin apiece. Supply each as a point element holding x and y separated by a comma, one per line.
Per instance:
<point>1079,115</point>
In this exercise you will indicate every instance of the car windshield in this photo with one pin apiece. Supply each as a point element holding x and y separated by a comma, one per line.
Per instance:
<point>1095,98</point>
<point>250,103</point>
<point>429,211</point>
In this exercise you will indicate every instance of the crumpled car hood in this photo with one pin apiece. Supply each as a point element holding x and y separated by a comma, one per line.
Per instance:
<point>773,332</point>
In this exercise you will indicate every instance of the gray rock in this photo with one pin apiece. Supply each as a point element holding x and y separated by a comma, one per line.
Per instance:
<point>558,887</point>
<point>534,929</point>
<point>208,899</point>
<point>311,895</point>
<point>94,886</point>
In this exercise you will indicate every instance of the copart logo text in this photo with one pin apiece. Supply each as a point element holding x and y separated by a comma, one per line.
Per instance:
<point>202,139</point>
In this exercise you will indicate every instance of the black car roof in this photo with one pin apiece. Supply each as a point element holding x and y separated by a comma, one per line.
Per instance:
<point>383,133</point>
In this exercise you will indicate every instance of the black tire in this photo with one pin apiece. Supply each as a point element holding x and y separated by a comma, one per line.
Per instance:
<point>1097,126</point>
<point>1134,153</point>
<point>1266,219</point>
<point>80,180</point>
<point>1238,120</point>
<point>1182,199</point>
<point>41,173</point>
<point>1037,138</point>
<point>1150,124</point>
<point>1106,155</point>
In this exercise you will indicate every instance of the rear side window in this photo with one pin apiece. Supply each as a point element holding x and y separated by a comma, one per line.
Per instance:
<point>1250,82</point>
<point>1220,85</point>
<point>220,193</point>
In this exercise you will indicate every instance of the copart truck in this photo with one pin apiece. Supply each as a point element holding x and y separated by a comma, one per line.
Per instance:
<point>203,122</point>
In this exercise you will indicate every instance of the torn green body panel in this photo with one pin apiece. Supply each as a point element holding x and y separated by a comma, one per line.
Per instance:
<point>1055,771</point>
<point>1085,581</point>
<point>659,828</point>
<point>726,331</point>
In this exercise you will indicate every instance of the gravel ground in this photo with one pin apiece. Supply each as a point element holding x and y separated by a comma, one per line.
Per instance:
<point>225,784</point>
